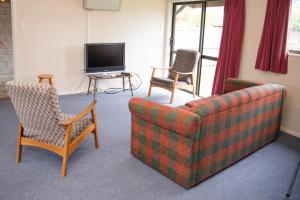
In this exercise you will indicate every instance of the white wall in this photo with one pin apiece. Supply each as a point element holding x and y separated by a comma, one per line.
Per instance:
<point>141,25</point>
<point>49,36</point>
<point>255,14</point>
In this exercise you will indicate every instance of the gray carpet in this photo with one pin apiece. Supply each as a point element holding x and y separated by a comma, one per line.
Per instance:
<point>112,173</point>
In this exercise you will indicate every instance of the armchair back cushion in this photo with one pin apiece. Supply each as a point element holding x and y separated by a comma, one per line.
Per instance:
<point>185,61</point>
<point>38,110</point>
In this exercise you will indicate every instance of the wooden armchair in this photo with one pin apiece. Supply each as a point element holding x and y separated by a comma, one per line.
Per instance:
<point>181,75</point>
<point>43,125</point>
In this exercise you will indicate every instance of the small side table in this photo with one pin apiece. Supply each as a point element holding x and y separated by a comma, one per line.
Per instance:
<point>47,77</point>
<point>96,79</point>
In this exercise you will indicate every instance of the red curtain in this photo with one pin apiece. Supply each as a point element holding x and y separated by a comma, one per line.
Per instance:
<point>273,54</point>
<point>228,64</point>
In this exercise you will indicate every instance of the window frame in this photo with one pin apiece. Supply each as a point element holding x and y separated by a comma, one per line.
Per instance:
<point>292,52</point>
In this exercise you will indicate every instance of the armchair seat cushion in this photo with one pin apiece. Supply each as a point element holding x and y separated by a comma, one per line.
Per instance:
<point>167,82</point>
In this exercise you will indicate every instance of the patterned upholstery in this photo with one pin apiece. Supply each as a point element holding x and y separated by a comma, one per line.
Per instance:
<point>188,145</point>
<point>185,61</point>
<point>39,113</point>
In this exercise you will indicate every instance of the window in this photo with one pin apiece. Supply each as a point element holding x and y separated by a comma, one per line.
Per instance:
<point>294,38</point>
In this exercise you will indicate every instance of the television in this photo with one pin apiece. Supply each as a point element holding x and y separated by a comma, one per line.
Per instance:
<point>104,57</point>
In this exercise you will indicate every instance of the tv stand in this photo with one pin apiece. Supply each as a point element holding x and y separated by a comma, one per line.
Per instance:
<point>97,77</point>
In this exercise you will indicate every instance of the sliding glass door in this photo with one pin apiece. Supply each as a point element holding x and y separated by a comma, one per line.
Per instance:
<point>186,28</point>
<point>198,25</point>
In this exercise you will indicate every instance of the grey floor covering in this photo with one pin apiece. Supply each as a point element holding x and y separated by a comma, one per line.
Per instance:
<point>112,173</point>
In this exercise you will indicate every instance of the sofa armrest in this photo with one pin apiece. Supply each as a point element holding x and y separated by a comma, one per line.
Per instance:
<point>233,84</point>
<point>181,121</point>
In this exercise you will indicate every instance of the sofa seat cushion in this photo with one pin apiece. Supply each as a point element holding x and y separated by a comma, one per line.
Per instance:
<point>196,102</point>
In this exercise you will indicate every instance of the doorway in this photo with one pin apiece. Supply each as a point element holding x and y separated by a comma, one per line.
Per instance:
<point>197,25</point>
<point>6,52</point>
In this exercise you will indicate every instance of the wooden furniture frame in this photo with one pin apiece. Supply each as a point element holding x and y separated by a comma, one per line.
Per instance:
<point>69,147</point>
<point>47,77</point>
<point>174,86</point>
<point>96,79</point>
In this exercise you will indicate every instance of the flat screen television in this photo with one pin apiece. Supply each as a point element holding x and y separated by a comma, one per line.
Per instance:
<point>104,57</point>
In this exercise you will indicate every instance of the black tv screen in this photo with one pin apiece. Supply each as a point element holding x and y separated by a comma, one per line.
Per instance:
<point>104,57</point>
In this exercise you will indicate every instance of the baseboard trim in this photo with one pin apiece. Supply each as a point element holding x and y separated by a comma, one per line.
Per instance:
<point>293,133</point>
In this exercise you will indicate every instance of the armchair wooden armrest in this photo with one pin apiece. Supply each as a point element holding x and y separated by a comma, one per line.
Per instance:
<point>161,68</point>
<point>86,111</point>
<point>156,68</point>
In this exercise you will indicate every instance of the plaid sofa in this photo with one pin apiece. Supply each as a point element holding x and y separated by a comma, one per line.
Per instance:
<point>190,143</point>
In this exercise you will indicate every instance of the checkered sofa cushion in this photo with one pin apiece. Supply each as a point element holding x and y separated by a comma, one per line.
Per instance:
<point>233,84</point>
<point>230,127</point>
<point>38,110</point>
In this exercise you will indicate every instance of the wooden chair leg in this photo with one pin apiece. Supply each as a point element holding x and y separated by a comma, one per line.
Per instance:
<point>19,146</point>
<point>172,95</point>
<point>150,87</point>
<point>193,84</point>
<point>66,151</point>
<point>64,166</point>
<point>174,87</point>
<point>194,92</point>
<point>95,131</point>
<point>150,90</point>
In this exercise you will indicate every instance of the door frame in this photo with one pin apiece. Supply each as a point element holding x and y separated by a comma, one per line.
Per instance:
<point>201,38</point>
<point>173,24</point>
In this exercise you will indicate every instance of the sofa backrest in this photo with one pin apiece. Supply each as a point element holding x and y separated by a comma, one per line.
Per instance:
<point>220,103</point>
<point>236,98</point>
